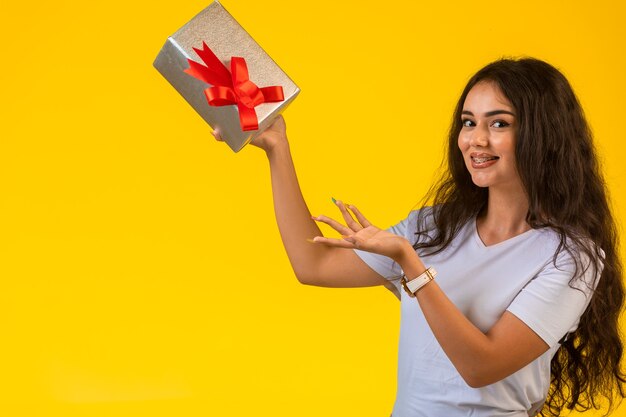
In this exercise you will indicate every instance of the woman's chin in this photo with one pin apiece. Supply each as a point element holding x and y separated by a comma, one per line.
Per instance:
<point>481,182</point>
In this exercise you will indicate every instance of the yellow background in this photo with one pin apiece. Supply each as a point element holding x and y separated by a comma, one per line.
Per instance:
<point>142,272</point>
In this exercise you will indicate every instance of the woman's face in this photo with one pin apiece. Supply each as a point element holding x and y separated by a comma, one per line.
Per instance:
<point>487,138</point>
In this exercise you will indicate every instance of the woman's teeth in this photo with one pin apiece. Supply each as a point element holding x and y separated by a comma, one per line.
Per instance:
<point>483,159</point>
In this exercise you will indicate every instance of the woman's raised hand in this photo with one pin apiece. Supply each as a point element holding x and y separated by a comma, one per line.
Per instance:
<point>274,135</point>
<point>361,234</point>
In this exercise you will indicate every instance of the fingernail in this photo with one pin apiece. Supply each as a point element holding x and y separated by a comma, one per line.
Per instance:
<point>313,217</point>
<point>311,240</point>
<point>334,201</point>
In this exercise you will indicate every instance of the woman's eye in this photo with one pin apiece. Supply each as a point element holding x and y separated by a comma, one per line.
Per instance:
<point>467,123</point>
<point>499,123</point>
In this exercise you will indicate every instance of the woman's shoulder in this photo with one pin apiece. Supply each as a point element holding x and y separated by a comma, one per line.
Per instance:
<point>579,256</point>
<point>422,214</point>
<point>420,222</point>
<point>568,244</point>
<point>421,218</point>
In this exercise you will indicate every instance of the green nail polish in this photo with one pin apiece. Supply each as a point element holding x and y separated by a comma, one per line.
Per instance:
<point>334,201</point>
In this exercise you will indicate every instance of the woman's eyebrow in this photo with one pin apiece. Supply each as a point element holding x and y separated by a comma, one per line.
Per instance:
<point>490,113</point>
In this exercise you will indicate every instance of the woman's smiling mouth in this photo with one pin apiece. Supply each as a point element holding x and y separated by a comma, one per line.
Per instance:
<point>483,160</point>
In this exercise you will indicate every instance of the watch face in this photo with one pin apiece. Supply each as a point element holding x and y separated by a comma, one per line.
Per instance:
<point>418,282</point>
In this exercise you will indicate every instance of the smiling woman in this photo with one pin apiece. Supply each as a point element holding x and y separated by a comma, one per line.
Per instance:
<point>544,181</point>
<point>516,314</point>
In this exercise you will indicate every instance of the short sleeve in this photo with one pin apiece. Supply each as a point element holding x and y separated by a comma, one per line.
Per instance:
<point>385,266</point>
<point>549,305</point>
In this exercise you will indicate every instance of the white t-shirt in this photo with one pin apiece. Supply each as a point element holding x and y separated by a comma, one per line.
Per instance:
<point>517,275</point>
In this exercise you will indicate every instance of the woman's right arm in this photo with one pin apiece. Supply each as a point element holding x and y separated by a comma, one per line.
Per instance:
<point>313,264</point>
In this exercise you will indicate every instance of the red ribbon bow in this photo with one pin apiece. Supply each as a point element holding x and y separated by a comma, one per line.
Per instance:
<point>232,87</point>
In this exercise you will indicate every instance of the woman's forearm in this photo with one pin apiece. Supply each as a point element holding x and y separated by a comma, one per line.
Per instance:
<point>293,216</point>
<point>480,358</point>
<point>463,343</point>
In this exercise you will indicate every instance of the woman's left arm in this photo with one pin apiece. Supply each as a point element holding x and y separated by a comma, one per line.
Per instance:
<point>480,358</point>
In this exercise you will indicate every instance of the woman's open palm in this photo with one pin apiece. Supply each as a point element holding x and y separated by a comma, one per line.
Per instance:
<point>361,234</point>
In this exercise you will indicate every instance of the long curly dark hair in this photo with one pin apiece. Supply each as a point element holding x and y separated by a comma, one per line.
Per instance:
<point>557,164</point>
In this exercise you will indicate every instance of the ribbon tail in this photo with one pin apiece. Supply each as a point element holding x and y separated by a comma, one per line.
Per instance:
<point>247,118</point>
<point>219,73</point>
<point>201,72</point>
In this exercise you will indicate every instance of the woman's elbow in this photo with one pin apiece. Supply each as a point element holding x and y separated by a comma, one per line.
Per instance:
<point>479,378</point>
<point>476,382</point>
<point>307,279</point>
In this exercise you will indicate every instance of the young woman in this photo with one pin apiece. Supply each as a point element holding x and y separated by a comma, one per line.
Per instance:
<point>509,276</point>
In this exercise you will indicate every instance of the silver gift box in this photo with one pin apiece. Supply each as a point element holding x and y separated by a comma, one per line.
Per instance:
<point>226,38</point>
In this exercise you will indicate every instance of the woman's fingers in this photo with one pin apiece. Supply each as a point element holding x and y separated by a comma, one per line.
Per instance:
<point>352,224</point>
<point>348,232</point>
<point>216,135</point>
<point>360,217</point>
<point>278,125</point>
<point>334,224</point>
<point>339,243</point>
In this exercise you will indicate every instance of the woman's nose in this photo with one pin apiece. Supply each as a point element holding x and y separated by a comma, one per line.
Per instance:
<point>479,137</point>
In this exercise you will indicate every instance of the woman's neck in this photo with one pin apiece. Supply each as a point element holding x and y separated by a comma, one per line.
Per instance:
<point>505,214</point>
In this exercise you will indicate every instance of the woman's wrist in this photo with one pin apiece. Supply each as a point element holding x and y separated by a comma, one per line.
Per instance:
<point>410,262</point>
<point>279,147</point>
